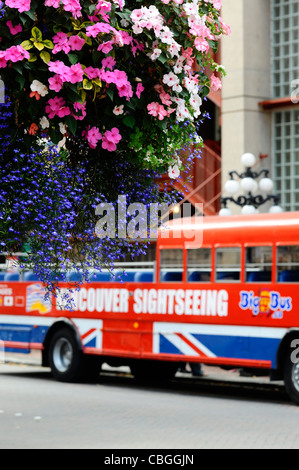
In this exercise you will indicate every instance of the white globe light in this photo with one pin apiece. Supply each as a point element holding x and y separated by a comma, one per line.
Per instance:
<point>266,185</point>
<point>275,210</point>
<point>248,210</point>
<point>225,212</point>
<point>232,187</point>
<point>248,184</point>
<point>248,160</point>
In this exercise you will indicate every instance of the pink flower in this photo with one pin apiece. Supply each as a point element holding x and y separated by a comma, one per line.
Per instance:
<point>92,73</point>
<point>79,108</point>
<point>73,6</point>
<point>93,136</point>
<point>60,68</point>
<point>61,43</point>
<point>215,83</point>
<point>14,29</point>
<point>106,47</point>
<point>20,5</point>
<point>52,3</point>
<point>16,54</point>
<point>97,28</point>
<point>165,98</point>
<point>109,63</point>
<point>76,73</point>
<point>110,139</point>
<point>56,107</point>
<point>3,61</point>
<point>140,89</point>
<point>156,109</point>
<point>76,43</point>
<point>55,83</point>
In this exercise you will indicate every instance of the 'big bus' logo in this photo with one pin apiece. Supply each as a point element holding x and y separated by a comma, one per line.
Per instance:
<point>266,303</point>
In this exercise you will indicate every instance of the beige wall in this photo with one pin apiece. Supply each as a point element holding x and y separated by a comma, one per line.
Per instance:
<point>246,57</point>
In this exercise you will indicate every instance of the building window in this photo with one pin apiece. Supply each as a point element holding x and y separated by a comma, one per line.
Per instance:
<point>286,157</point>
<point>285,46</point>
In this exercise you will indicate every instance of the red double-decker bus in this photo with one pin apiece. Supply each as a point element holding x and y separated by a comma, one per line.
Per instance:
<point>228,298</point>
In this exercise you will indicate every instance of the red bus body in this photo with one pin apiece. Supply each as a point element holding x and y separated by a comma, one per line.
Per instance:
<point>236,323</point>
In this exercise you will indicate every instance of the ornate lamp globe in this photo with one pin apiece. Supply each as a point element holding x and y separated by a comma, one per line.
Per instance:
<point>224,212</point>
<point>266,185</point>
<point>248,184</point>
<point>248,210</point>
<point>232,187</point>
<point>248,160</point>
<point>275,209</point>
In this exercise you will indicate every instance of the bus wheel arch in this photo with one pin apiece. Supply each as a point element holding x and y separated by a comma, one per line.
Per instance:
<point>63,352</point>
<point>288,364</point>
<point>58,325</point>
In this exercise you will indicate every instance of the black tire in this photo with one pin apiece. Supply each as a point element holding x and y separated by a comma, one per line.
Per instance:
<point>291,379</point>
<point>153,371</point>
<point>65,358</point>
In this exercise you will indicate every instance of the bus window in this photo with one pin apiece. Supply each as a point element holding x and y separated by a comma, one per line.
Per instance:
<point>258,264</point>
<point>199,265</point>
<point>288,263</point>
<point>171,265</point>
<point>228,264</point>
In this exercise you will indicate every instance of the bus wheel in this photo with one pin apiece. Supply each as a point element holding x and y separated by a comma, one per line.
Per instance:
<point>65,357</point>
<point>291,379</point>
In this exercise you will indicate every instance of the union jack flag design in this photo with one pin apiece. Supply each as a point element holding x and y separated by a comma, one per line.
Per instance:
<point>212,341</point>
<point>90,332</point>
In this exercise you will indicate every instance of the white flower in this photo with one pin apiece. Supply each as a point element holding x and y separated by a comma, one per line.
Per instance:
<point>44,123</point>
<point>166,35</point>
<point>177,87</point>
<point>118,110</point>
<point>191,8</point>
<point>156,53</point>
<point>62,128</point>
<point>61,144</point>
<point>170,79</point>
<point>39,88</point>
<point>173,172</point>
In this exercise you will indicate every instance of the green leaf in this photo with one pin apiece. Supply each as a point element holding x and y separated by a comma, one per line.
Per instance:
<point>162,59</point>
<point>36,34</point>
<point>33,58</point>
<point>39,46</point>
<point>31,14</point>
<point>48,44</point>
<point>27,45</point>
<point>205,91</point>
<point>110,93</point>
<point>129,121</point>
<point>18,68</point>
<point>87,85</point>
<point>71,124</point>
<point>21,80</point>
<point>45,56</point>
<point>73,58</point>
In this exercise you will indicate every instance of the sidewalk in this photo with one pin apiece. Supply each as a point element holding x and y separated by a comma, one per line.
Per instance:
<point>210,372</point>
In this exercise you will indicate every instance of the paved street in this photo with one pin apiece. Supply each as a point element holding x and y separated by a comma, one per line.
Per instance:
<point>117,413</point>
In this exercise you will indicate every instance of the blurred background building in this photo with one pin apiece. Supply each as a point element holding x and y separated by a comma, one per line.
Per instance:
<point>257,110</point>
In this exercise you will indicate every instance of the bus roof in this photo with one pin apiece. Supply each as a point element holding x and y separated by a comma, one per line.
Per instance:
<point>232,230</point>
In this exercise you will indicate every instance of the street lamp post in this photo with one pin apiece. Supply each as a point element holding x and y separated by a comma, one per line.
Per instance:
<point>251,182</point>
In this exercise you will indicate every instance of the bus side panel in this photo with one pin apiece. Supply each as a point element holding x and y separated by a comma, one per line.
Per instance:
<point>218,344</point>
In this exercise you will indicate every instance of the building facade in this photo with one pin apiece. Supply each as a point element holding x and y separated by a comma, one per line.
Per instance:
<point>260,94</point>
